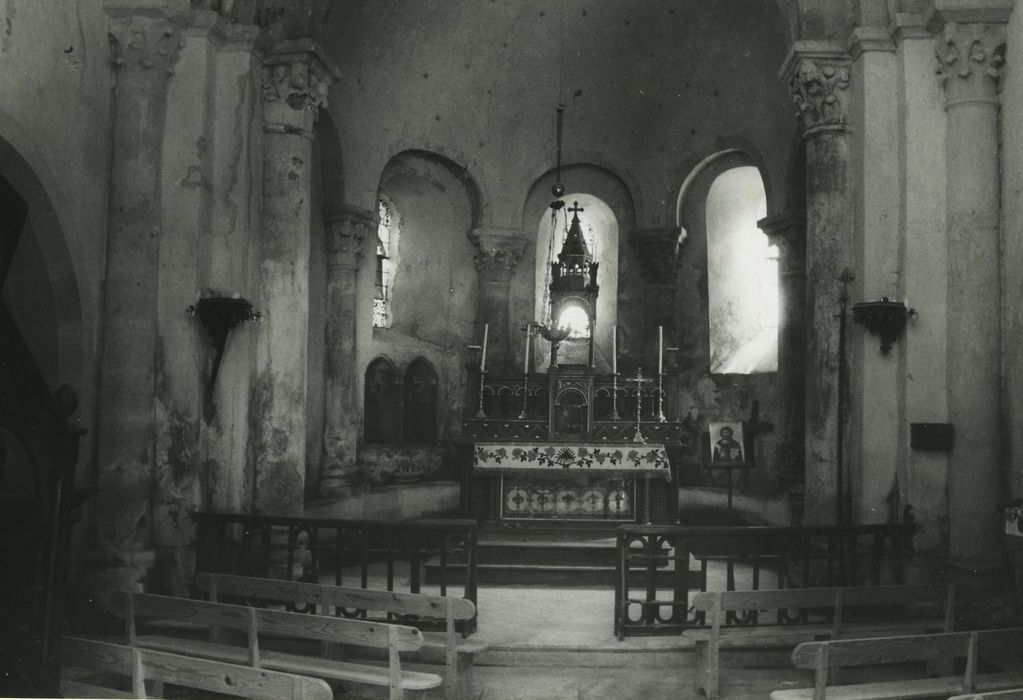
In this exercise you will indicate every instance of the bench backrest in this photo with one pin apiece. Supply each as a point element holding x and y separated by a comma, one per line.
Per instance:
<point>944,646</point>
<point>260,620</point>
<point>850,596</point>
<point>190,672</point>
<point>1014,694</point>
<point>324,595</point>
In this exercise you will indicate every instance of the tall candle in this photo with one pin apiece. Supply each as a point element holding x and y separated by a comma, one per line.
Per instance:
<point>483,358</point>
<point>525,362</point>
<point>614,349</point>
<point>660,349</point>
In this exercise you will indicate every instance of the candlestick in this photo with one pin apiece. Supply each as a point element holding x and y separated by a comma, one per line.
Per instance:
<point>660,398</point>
<point>638,438</point>
<point>479,413</point>
<point>483,357</point>
<point>525,362</point>
<point>660,348</point>
<point>614,397</point>
<point>614,349</point>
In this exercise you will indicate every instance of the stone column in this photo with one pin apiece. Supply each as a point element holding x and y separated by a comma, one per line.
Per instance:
<point>294,87</point>
<point>787,231</point>
<point>145,39</point>
<point>346,233</point>
<point>970,56</point>
<point>818,74</point>
<point>498,251</point>
<point>657,250</point>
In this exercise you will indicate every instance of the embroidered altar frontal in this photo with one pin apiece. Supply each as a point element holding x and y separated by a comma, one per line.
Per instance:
<point>570,481</point>
<point>635,459</point>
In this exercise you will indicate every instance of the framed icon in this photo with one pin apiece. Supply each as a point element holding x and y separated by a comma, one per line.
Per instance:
<point>727,445</point>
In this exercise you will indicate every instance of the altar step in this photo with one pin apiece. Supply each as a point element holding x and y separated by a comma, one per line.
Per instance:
<point>557,559</point>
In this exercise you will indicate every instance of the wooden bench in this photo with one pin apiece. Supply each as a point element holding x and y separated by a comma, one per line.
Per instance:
<point>1013,694</point>
<point>807,614</point>
<point>90,656</point>
<point>459,653</point>
<point>254,622</point>
<point>941,651</point>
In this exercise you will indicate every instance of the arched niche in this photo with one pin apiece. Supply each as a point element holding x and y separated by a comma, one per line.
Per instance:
<point>382,403</point>
<point>433,288</point>
<point>609,203</point>
<point>601,231</point>
<point>420,403</point>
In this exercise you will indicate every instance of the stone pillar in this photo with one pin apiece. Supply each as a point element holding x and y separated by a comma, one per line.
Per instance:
<point>498,251</point>
<point>970,56</point>
<point>658,253</point>
<point>294,87</point>
<point>346,233</point>
<point>787,231</point>
<point>145,40</point>
<point>818,74</point>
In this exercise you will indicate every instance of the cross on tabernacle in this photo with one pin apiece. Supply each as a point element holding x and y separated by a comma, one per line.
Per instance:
<point>575,208</point>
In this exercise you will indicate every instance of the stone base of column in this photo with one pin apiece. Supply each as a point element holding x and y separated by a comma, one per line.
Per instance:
<point>332,483</point>
<point>107,570</point>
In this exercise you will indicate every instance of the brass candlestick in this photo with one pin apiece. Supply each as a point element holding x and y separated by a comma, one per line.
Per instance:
<point>614,397</point>
<point>638,438</point>
<point>660,398</point>
<point>479,413</point>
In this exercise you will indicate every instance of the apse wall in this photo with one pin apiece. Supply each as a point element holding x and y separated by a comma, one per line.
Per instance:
<point>646,95</point>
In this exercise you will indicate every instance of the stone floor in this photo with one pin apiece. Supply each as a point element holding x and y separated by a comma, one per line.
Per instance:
<point>548,643</point>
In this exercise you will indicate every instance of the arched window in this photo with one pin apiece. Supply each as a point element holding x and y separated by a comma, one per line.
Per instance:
<point>387,262</point>
<point>382,403</point>
<point>420,412</point>
<point>742,276</point>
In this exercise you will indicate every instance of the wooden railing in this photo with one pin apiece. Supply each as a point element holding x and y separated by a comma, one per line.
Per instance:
<point>748,558</point>
<point>350,552</point>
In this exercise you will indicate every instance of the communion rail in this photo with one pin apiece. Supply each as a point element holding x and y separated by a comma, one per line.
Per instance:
<point>746,558</point>
<point>355,553</point>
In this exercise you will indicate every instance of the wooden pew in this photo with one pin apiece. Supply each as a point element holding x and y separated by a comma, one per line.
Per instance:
<point>458,652</point>
<point>254,622</point>
<point>143,665</point>
<point>1013,694</point>
<point>815,613</point>
<point>936,650</point>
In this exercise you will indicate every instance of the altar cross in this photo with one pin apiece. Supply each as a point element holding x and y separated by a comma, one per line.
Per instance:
<point>575,208</point>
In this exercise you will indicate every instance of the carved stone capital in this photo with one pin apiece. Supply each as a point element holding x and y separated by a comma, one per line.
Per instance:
<point>294,87</point>
<point>145,37</point>
<point>818,76</point>
<point>498,250</point>
<point>657,250</point>
<point>970,59</point>
<point>787,231</point>
<point>346,233</point>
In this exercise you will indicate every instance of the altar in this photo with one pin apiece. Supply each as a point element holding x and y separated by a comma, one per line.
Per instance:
<point>571,446</point>
<point>570,482</point>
